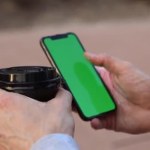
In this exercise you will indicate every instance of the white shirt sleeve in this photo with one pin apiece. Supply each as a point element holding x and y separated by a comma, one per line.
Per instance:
<point>56,142</point>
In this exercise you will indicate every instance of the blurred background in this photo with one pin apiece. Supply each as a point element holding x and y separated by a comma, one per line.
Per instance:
<point>117,27</point>
<point>20,13</point>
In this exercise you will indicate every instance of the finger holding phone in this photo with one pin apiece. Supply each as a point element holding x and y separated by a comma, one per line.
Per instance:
<point>131,89</point>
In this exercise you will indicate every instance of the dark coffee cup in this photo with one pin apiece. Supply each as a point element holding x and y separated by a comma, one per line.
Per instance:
<point>38,82</point>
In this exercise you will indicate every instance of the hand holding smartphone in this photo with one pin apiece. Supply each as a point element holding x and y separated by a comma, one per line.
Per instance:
<point>87,87</point>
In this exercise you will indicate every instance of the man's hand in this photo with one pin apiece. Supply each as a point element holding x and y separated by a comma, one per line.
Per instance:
<point>24,120</point>
<point>131,90</point>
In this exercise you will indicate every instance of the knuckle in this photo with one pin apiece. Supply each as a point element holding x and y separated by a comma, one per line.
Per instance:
<point>128,64</point>
<point>68,94</point>
<point>106,56</point>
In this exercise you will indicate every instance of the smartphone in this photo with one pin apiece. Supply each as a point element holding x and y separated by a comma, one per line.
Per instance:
<point>87,87</point>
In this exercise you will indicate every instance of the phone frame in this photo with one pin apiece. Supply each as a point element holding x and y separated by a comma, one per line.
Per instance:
<point>52,62</point>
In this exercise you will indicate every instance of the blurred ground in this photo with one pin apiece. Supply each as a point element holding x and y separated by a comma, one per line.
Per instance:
<point>121,29</point>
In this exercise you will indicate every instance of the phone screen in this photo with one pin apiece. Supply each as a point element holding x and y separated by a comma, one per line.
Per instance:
<point>87,87</point>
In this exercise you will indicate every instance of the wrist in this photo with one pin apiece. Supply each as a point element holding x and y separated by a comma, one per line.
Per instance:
<point>147,94</point>
<point>144,121</point>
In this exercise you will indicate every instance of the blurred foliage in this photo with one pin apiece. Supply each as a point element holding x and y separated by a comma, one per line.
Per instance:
<point>17,13</point>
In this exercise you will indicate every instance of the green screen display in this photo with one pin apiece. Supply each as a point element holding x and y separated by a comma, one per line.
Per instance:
<point>81,77</point>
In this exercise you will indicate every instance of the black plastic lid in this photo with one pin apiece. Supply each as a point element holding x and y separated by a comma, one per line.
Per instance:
<point>27,74</point>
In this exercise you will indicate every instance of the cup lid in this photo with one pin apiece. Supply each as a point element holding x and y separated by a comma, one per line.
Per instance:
<point>27,74</point>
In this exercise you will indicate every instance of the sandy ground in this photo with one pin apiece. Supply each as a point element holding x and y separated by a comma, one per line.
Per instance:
<point>127,40</point>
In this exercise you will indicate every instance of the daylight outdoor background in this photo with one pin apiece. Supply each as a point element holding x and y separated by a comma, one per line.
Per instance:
<point>117,27</point>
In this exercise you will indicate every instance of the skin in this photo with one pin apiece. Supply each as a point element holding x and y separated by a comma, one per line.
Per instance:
<point>131,91</point>
<point>24,120</point>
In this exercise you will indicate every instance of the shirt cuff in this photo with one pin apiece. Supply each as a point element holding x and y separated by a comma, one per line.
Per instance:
<point>56,142</point>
